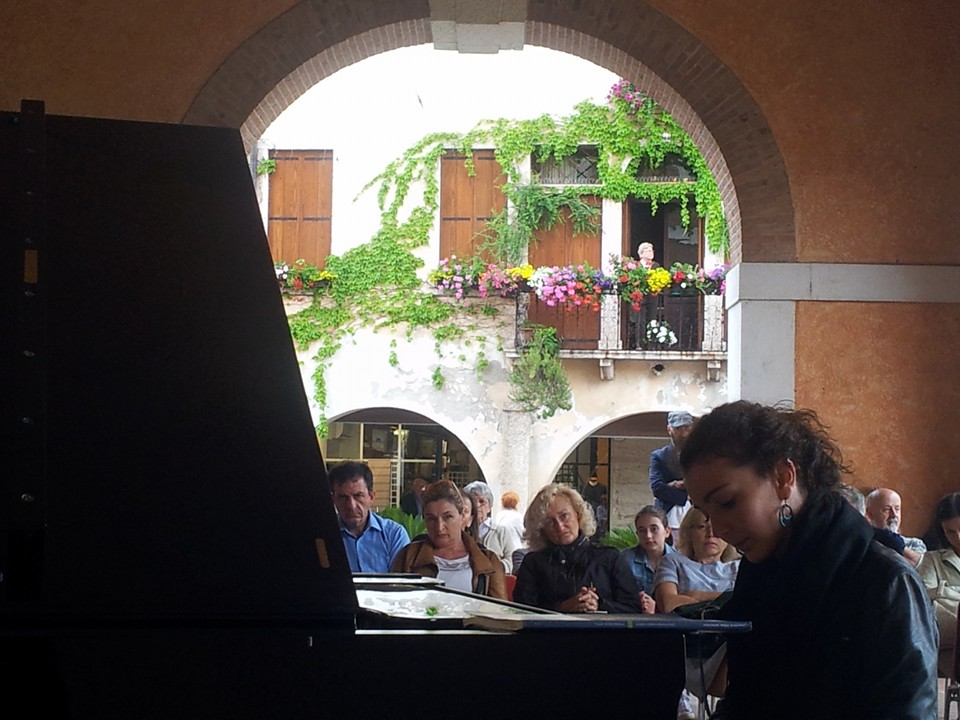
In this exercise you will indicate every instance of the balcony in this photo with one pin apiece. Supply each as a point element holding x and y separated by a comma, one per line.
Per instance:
<point>695,329</point>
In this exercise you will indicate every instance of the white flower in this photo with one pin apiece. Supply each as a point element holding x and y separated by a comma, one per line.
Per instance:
<point>659,332</point>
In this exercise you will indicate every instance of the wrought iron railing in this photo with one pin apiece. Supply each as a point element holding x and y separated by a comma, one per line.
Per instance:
<point>665,323</point>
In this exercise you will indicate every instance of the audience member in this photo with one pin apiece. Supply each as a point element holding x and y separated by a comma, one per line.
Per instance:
<point>470,525</point>
<point>371,541</point>
<point>644,559</point>
<point>411,502</point>
<point>564,570</point>
<point>940,569</point>
<point>447,552</point>
<point>501,541</point>
<point>883,512</point>
<point>841,627</point>
<point>702,570</point>
<point>666,476</point>
<point>510,517</point>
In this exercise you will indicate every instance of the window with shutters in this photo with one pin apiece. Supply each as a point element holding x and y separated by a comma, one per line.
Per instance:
<point>300,205</point>
<point>468,201</point>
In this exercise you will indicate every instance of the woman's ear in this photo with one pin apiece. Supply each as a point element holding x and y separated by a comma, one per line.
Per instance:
<point>785,478</point>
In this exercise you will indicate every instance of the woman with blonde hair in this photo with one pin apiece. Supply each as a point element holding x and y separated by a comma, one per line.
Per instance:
<point>448,552</point>
<point>564,569</point>
<point>703,568</point>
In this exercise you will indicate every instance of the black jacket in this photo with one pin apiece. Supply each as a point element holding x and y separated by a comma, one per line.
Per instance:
<point>548,577</point>
<point>842,628</point>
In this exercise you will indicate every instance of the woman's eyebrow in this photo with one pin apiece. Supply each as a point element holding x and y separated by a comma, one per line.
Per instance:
<point>706,498</point>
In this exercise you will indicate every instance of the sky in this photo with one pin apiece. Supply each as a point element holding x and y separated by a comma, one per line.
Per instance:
<point>397,97</point>
<point>371,112</point>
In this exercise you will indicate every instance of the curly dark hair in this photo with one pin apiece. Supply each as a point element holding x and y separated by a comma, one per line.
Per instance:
<point>760,436</point>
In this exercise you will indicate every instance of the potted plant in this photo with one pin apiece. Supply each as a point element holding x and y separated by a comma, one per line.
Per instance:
<point>538,382</point>
<point>302,276</point>
<point>457,277</point>
<point>570,287</point>
<point>504,280</point>
<point>636,282</point>
<point>660,335</point>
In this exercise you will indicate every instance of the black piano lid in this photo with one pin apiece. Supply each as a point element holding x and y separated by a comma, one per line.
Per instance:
<point>168,543</point>
<point>160,461</point>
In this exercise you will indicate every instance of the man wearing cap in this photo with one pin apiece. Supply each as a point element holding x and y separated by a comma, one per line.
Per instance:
<point>666,477</point>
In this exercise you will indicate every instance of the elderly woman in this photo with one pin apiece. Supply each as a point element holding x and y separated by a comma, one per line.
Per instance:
<point>493,537</point>
<point>449,553</point>
<point>564,570</point>
<point>940,571</point>
<point>842,627</point>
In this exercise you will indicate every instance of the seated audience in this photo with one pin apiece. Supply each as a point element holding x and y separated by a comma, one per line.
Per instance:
<point>371,541</point>
<point>470,525</point>
<point>703,568</point>
<point>883,512</point>
<point>510,517</point>
<point>410,501</point>
<point>564,569</point>
<point>499,540</point>
<point>940,570</point>
<point>644,559</point>
<point>449,553</point>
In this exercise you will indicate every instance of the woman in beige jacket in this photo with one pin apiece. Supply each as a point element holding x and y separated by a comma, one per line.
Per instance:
<point>940,571</point>
<point>449,553</point>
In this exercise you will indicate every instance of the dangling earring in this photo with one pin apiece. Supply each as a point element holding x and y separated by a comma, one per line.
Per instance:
<point>785,515</point>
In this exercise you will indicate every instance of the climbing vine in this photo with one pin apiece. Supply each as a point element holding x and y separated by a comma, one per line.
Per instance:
<point>377,284</point>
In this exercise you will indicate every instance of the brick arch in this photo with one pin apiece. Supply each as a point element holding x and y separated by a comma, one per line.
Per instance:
<point>311,41</point>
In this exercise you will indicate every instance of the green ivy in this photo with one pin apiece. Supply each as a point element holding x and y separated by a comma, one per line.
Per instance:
<point>377,284</point>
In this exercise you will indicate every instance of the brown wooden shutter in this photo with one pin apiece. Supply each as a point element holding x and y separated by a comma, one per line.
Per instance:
<point>578,329</point>
<point>301,201</point>
<point>467,202</point>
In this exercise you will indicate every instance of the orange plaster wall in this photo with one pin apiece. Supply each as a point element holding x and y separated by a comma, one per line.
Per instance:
<point>862,100</point>
<point>129,59</point>
<point>861,97</point>
<point>884,377</point>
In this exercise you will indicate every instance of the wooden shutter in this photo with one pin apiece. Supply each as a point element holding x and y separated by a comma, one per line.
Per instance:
<point>467,202</point>
<point>301,200</point>
<point>578,329</point>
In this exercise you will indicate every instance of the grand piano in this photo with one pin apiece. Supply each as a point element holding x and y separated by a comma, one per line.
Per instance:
<point>168,544</point>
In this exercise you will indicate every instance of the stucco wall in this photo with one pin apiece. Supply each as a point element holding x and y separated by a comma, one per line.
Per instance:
<point>515,451</point>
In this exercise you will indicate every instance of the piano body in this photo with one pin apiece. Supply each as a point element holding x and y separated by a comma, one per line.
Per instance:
<point>168,544</point>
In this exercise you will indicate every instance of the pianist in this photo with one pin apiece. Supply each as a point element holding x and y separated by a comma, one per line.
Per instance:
<point>371,541</point>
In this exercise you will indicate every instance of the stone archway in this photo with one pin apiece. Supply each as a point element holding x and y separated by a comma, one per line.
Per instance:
<point>311,41</point>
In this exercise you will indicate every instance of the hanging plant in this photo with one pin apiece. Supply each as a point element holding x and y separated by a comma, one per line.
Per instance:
<point>538,382</point>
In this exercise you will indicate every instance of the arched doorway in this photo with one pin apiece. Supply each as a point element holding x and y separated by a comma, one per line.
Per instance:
<point>399,445</point>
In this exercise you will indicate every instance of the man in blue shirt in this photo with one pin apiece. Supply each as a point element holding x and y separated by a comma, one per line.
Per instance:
<point>371,541</point>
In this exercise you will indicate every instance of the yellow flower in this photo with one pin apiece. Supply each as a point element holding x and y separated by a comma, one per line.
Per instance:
<point>658,279</point>
<point>521,272</point>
